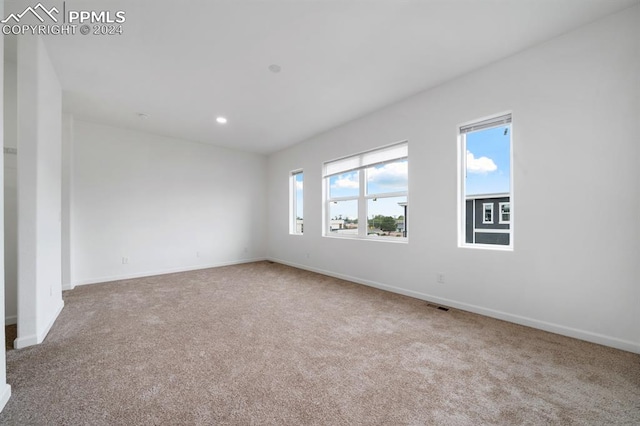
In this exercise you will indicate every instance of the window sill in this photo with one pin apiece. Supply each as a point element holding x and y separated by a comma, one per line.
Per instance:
<point>493,247</point>
<point>394,240</point>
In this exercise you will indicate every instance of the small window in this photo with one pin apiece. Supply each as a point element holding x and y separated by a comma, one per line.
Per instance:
<point>297,206</point>
<point>366,194</point>
<point>487,217</point>
<point>485,182</point>
<point>505,213</point>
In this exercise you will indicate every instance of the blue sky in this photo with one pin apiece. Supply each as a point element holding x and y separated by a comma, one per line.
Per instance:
<point>488,161</point>
<point>299,193</point>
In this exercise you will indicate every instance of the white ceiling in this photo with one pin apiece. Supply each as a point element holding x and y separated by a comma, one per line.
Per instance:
<point>184,63</point>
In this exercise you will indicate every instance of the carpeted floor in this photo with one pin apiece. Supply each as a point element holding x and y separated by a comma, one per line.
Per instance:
<point>263,343</point>
<point>10,334</point>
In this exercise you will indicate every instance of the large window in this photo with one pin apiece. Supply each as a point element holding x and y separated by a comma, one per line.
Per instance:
<point>296,218</point>
<point>486,188</point>
<point>366,194</point>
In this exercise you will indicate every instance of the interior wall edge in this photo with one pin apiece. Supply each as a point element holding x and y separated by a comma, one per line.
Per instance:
<point>5,394</point>
<point>111,278</point>
<point>43,333</point>
<point>5,389</point>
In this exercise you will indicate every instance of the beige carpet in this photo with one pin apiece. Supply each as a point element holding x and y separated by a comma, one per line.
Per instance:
<point>267,344</point>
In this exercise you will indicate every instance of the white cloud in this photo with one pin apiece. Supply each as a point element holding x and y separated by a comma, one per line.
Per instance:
<point>390,176</point>
<point>299,185</point>
<point>346,181</point>
<point>480,165</point>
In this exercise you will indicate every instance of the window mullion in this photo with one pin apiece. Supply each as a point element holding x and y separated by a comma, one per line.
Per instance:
<point>342,199</point>
<point>362,205</point>
<point>386,195</point>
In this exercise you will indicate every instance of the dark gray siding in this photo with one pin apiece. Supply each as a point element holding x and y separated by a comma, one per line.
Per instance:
<point>496,213</point>
<point>468,227</point>
<point>492,238</point>
<point>476,215</point>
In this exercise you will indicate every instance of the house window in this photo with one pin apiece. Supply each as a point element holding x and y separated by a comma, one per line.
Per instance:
<point>505,213</point>
<point>296,219</point>
<point>366,194</point>
<point>485,148</point>
<point>487,209</point>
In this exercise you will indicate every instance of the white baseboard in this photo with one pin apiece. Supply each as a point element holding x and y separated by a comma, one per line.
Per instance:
<point>36,339</point>
<point>25,341</point>
<point>10,320</point>
<point>164,271</point>
<point>5,394</point>
<point>588,336</point>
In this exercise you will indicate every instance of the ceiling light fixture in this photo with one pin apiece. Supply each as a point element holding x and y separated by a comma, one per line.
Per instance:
<point>275,68</point>
<point>221,120</point>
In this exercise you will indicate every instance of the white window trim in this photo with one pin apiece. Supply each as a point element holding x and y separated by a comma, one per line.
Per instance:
<point>462,209</point>
<point>500,221</point>
<point>293,202</point>
<point>484,214</point>
<point>367,159</point>
<point>492,231</point>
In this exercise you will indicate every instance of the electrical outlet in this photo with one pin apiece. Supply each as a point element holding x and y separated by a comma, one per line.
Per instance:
<point>125,260</point>
<point>197,254</point>
<point>440,278</point>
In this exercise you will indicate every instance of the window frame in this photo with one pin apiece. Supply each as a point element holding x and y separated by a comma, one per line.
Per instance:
<point>363,196</point>
<point>293,202</point>
<point>500,213</point>
<point>334,200</point>
<point>484,214</point>
<point>494,120</point>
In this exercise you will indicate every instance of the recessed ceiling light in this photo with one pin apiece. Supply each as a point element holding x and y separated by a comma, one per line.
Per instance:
<point>221,120</point>
<point>275,68</point>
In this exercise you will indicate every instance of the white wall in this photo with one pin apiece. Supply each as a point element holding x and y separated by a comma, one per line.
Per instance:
<point>67,198</point>
<point>10,194</point>
<point>574,269</point>
<point>5,389</point>
<point>10,238</point>
<point>39,192</point>
<point>164,204</point>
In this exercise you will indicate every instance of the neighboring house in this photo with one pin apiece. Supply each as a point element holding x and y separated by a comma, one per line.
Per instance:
<point>336,224</point>
<point>488,219</point>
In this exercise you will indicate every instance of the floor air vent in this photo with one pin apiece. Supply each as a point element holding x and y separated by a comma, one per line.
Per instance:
<point>440,308</point>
